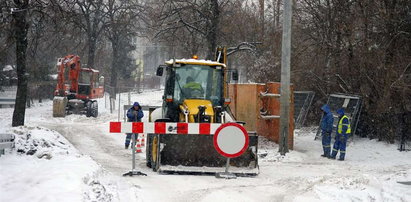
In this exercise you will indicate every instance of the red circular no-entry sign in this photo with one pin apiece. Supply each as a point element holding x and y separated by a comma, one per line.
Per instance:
<point>231,140</point>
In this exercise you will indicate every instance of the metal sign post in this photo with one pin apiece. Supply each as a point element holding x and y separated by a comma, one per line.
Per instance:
<point>133,170</point>
<point>119,101</point>
<point>226,174</point>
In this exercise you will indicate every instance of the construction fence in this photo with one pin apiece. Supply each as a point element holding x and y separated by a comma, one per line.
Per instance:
<point>352,108</point>
<point>258,105</point>
<point>302,103</point>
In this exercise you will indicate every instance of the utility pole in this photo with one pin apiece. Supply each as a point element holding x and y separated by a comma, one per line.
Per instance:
<point>285,78</point>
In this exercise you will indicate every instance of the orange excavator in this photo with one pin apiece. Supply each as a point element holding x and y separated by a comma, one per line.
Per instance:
<point>77,88</point>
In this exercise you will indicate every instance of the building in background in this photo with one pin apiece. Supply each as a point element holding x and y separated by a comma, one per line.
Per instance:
<point>148,56</point>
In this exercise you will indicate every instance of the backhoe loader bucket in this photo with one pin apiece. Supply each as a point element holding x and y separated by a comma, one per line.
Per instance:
<point>169,153</point>
<point>59,106</point>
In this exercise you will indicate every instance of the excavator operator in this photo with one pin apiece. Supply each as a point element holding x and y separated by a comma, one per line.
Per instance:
<point>192,89</point>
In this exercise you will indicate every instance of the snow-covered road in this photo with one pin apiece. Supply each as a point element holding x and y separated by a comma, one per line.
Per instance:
<point>370,172</point>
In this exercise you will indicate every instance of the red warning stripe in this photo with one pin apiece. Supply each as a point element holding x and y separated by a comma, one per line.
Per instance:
<point>138,127</point>
<point>115,127</point>
<point>164,128</point>
<point>204,128</point>
<point>182,128</point>
<point>160,128</point>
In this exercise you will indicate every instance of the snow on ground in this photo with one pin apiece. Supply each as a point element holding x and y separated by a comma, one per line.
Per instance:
<point>44,166</point>
<point>77,159</point>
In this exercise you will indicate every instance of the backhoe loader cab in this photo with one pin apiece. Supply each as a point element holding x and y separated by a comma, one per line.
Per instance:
<point>194,94</point>
<point>189,86</point>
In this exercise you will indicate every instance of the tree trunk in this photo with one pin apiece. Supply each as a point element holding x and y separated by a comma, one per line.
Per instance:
<point>20,34</point>
<point>388,61</point>
<point>139,79</point>
<point>213,33</point>
<point>92,40</point>
<point>262,19</point>
<point>276,10</point>
<point>114,64</point>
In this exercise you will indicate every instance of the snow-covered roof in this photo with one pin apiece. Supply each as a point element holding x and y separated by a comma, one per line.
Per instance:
<point>53,76</point>
<point>8,68</point>
<point>94,70</point>
<point>195,62</point>
<point>90,70</point>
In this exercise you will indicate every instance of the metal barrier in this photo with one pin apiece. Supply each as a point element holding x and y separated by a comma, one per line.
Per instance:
<point>8,102</point>
<point>352,108</point>
<point>6,142</point>
<point>7,96</point>
<point>302,103</point>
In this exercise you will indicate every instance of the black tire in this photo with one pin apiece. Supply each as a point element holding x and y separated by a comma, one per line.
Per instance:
<point>88,109</point>
<point>149,149</point>
<point>150,162</point>
<point>94,109</point>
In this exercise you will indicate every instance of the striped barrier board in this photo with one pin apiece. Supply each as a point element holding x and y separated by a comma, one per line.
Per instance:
<point>164,128</point>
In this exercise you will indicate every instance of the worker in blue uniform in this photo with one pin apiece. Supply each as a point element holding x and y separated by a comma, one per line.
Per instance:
<point>134,114</point>
<point>343,132</point>
<point>326,129</point>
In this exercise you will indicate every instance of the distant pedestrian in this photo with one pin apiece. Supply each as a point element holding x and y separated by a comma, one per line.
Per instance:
<point>134,114</point>
<point>326,129</point>
<point>343,131</point>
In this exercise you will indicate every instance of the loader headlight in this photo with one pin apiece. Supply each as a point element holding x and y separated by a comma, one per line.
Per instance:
<point>169,98</point>
<point>227,101</point>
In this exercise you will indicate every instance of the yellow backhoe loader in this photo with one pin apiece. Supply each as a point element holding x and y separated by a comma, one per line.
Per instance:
<point>196,92</point>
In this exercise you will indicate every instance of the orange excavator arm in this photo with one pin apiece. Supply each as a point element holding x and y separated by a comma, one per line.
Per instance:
<point>72,63</point>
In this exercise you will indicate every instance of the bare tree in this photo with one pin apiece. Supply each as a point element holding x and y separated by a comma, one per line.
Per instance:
<point>193,20</point>
<point>122,22</point>
<point>6,39</point>
<point>357,47</point>
<point>20,27</point>
<point>89,16</point>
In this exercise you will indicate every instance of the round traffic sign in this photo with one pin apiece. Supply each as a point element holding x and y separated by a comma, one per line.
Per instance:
<point>230,140</point>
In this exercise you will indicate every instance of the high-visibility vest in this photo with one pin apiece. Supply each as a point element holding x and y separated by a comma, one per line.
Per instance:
<point>340,125</point>
<point>193,86</point>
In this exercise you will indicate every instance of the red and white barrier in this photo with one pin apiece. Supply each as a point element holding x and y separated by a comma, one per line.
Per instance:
<point>138,147</point>
<point>164,128</point>
<point>143,140</point>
